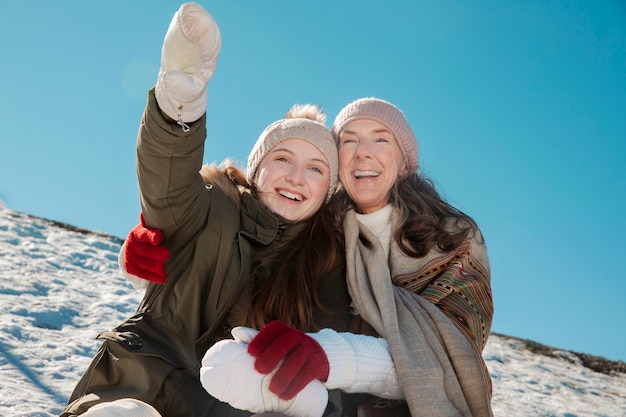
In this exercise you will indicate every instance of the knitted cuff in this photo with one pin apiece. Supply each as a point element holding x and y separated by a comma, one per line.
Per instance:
<point>341,358</point>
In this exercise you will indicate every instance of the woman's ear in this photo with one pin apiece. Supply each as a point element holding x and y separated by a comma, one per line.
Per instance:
<point>404,170</point>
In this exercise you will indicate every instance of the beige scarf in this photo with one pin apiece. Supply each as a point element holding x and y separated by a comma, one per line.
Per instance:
<point>439,371</point>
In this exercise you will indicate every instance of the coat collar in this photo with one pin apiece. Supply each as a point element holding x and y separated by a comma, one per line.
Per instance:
<point>260,224</point>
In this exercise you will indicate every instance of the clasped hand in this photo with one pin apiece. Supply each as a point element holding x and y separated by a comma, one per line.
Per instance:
<point>278,369</point>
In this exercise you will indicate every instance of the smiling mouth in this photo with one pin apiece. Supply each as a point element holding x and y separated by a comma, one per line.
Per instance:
<point>291,196</point>
<point>366,174</point>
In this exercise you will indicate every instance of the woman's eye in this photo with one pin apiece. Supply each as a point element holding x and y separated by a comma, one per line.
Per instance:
<point>347,140</point>
<point>316,169</point>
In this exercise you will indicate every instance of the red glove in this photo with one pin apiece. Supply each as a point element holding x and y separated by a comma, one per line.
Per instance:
<point>304,358</point>
<point>144,256</point>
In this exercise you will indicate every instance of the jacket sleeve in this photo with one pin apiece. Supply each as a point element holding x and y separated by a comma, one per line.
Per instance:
<point>172,192</point>
<point>359,364</point>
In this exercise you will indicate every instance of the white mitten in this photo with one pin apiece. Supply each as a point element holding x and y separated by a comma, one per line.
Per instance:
<point>228,374</point>
<point>188,59</point>
<point>244,334</point>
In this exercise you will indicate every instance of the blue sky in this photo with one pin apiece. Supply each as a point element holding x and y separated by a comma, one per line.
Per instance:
<point>519,108</point>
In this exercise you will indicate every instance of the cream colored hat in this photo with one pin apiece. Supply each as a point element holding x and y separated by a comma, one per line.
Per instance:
<point>309,130</point>
<point>387,114</point>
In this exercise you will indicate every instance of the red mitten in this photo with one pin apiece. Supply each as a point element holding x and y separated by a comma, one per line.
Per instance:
<point>303,358</point>
<point>144,256</point>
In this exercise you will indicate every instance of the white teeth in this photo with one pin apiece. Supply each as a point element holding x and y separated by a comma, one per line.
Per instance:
<point>290,196</point>
<point>360,174</point>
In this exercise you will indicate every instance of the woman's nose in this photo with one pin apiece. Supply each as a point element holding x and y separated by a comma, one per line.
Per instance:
<point>363,149</point>
<point>295,175</point>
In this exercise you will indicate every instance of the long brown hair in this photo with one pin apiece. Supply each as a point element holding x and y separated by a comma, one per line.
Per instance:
<point>426,220</point>
<point>286,275</point>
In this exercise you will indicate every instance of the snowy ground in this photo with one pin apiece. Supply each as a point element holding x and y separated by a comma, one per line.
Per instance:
<point>60,287</point>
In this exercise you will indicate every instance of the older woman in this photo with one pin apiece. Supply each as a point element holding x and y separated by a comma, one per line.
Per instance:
<point>417,270</point>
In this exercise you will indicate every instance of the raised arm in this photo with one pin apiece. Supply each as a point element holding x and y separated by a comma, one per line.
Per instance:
<point>170,143</point>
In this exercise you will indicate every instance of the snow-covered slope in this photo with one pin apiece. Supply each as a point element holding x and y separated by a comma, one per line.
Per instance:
<point>60,286</point>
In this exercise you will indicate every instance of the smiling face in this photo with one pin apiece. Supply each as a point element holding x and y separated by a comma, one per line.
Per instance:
<point>293,179</point>
<point>370,162</point>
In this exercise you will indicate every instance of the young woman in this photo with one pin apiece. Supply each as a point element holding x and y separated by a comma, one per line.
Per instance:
<point>214,222</point>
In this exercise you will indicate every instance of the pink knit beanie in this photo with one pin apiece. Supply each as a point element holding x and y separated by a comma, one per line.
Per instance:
<point>387,114</point>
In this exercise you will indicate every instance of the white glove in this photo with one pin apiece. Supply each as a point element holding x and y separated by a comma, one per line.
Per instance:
<point>188,59</point>
<point>228,374</point>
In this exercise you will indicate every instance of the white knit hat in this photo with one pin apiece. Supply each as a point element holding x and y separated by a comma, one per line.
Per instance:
<point>315,133</point>
<point>390,116</point>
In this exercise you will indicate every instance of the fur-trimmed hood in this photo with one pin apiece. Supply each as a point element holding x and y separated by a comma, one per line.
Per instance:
<point>214,175</point>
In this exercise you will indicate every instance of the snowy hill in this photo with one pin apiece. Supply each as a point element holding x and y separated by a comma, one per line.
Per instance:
<point>60,286</point>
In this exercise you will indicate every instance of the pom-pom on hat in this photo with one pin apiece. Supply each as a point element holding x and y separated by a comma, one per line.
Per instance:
<point>303,128</point>
<point>387,114</point>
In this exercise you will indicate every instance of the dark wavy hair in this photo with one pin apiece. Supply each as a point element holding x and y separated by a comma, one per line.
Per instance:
<point>426,219</point>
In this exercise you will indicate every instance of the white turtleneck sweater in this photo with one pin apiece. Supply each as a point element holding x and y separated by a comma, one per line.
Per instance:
<point>379,223</point>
